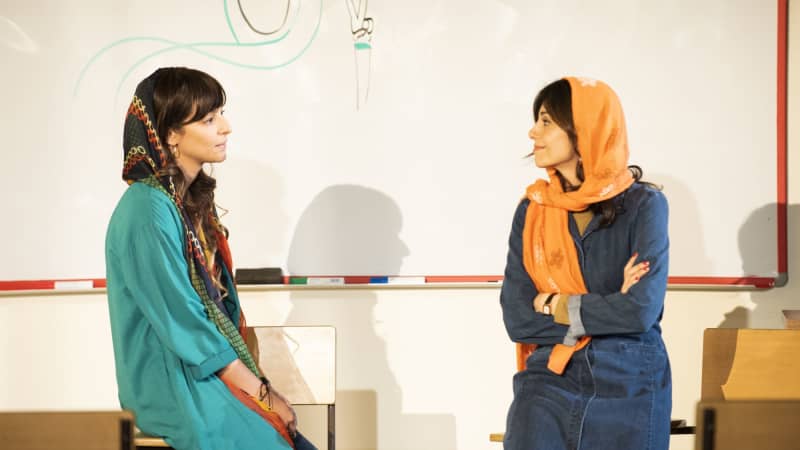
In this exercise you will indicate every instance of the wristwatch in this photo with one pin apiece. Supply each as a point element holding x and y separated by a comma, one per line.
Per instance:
<point>546,306</point>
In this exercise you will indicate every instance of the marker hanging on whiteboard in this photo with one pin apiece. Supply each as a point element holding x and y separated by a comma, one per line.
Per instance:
<point>361,28</point>
<point>406,280</point>
<point>325,281</point>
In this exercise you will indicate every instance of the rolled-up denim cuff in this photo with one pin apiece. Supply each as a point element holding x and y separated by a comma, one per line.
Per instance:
<point>575,329</point>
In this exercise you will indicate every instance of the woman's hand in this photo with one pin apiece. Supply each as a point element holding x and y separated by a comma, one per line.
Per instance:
<point>633,272</point>
<point>284,409</point>
<point>237,375</point>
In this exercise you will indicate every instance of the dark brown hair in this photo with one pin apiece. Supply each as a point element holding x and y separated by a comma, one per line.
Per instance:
<point>182,96</point>
<point>556,97</point>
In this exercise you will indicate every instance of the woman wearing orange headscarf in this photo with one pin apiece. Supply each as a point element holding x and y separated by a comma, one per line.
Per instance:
<point>585,282</point>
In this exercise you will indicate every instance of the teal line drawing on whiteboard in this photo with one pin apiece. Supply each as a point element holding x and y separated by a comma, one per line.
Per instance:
<point>197,47</point>
<point>361,28</point>
<point>256,30</point>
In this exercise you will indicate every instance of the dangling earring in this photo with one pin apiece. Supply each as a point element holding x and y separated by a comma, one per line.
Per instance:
<point>175,152</point>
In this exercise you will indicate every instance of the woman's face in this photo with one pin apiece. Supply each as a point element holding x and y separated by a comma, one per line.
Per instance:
<point>551,145</point>
<point>202,141</point>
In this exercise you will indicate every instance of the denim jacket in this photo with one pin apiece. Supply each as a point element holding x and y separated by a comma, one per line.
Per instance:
<point>640,226</point>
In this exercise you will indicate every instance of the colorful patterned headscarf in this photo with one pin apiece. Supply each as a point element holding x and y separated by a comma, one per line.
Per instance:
<point>145,160</point>
<point>549,254</point>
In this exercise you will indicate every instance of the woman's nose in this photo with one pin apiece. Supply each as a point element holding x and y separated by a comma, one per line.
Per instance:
<point>225,126</point>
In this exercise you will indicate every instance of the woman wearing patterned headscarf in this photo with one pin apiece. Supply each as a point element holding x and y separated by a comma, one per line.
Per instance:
<point>584,284</point>
<point>182,365</point>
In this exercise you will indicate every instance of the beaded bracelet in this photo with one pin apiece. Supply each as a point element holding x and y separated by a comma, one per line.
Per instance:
<point>264,392</point>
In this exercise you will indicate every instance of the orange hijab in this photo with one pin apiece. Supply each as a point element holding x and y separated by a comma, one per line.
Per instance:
<point>548,252</point>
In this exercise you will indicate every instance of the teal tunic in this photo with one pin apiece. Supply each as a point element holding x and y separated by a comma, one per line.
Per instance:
<point>166,349</point>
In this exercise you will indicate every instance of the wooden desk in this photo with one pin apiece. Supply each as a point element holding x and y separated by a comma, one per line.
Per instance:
<point>750,392</point>
<point>750,364</point>
<point>66,430</point>
<point>748,424</point>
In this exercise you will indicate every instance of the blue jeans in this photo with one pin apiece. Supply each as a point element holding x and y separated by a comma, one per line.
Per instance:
<point>301,443</point>
<point>616,393</point>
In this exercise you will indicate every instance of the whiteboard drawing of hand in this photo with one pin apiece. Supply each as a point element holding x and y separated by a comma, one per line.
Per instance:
<point>360,25</point>
<point>361,28</point>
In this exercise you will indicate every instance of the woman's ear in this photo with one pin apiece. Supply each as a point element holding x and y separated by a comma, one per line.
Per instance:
<point>174,137</point>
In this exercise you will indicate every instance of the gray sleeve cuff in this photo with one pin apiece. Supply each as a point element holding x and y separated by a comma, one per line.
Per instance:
<point>576,329</point>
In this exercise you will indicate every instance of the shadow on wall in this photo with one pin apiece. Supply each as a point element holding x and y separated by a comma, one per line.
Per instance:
<point>354,230</point>
<point>770,303</point>
<point>348,230</point>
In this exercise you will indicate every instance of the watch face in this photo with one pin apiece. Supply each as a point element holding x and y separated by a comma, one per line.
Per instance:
<point>546,309</point>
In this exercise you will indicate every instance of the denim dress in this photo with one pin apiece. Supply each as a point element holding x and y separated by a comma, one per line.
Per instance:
<point>616,393</point>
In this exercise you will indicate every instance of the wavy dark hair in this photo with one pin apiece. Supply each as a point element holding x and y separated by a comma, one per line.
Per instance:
<point>556,97</point>
<point>182,96</point>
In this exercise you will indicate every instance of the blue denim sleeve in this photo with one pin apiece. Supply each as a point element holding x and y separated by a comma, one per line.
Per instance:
<point>522,323</point>
<point>641,307</point>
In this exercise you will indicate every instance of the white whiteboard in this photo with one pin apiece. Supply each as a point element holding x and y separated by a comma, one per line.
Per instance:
<point>422,178</point>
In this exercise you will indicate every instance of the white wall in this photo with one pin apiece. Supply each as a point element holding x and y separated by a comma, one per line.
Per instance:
<point>418,369</point>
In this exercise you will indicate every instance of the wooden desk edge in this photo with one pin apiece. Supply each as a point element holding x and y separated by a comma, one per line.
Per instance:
<point>149,441</point>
